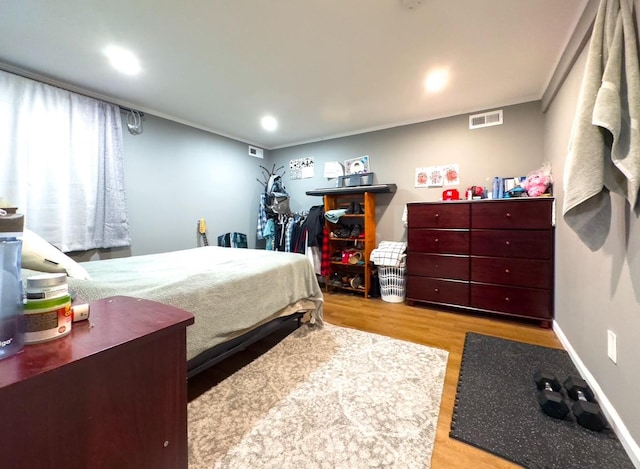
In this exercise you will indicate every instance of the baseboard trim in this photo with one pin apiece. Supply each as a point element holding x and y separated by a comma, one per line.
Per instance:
<point>618,426</point>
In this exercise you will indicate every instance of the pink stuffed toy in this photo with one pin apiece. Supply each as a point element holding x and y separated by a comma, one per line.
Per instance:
<point>538,182</point>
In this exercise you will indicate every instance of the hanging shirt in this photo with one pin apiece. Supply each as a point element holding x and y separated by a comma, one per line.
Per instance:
<point>269,234</point>
<point>262,216</point>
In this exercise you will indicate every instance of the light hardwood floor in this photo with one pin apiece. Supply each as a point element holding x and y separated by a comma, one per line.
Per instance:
<point>443,330</point>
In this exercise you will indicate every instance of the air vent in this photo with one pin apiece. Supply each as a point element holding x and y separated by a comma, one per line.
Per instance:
<point>486,119</point>
<point>255,151</point>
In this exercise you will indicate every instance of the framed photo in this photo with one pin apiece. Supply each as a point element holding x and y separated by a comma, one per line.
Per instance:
<point>435,176</point>
<point>358,165</point>
<point>421,177</point>
<point>429,176</point>
<point>301,168</point>
<point>451,174</point>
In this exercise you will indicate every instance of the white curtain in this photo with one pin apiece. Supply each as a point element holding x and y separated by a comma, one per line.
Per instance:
<point>62,164</point>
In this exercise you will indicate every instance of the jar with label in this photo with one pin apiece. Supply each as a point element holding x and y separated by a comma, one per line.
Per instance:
<point>47,309</point>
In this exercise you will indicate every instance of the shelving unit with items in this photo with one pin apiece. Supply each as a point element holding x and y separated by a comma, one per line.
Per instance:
<point>353,237</point>
<point>351,241</point>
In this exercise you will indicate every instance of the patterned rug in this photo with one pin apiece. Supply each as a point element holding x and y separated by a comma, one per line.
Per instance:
<point>330,397</point>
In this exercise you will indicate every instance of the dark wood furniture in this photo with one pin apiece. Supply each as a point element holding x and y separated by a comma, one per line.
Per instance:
<point>342,197</point>
<point>494,256</point>
<point>113,393</point>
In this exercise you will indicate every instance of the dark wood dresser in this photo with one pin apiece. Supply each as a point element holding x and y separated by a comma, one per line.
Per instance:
<point>111,394</point>
<point>493,256</point>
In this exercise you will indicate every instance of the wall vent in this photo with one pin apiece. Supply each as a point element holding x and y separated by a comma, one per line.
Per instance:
<point>255,151</point>
<point>486,119</point>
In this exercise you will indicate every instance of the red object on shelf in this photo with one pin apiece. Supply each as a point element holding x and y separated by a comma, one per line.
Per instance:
<point>451,194</point>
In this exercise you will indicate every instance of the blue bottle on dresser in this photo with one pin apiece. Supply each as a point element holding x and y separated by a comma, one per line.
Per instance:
<point>11,306</point>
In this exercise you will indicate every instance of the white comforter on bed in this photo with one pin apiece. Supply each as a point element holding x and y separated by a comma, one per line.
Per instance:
<point>229,291</point>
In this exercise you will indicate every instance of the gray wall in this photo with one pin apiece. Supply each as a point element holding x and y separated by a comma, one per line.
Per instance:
<point>597,291</point>
<point>512,149</point>
<point>175,175</point>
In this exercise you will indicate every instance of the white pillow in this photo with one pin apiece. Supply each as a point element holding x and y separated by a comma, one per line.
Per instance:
<point>38,254</point>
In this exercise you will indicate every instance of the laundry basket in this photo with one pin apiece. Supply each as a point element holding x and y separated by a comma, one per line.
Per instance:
<point>393,288</point>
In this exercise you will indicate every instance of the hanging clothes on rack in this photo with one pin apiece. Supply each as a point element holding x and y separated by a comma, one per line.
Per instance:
<point>312,233</point>
<point>262,216</point>
<point>273,210</point>
<point>269,234</point>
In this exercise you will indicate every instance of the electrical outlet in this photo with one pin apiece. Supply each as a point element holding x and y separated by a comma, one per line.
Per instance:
<point>612,350</point>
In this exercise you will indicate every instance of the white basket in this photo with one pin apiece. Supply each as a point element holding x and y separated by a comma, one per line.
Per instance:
<point>392,283</point>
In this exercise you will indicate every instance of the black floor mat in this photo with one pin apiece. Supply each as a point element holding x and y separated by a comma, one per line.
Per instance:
<point>496,409</point>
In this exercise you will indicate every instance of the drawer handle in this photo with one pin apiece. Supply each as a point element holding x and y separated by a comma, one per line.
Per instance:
<point>507,299</point>
<point>508,243</point>
<point>435,266</point>
<point>437,215</point>
<point>508,215</point>
<point>506,271</point>
<point>436,240</point>
<point>436,290</point>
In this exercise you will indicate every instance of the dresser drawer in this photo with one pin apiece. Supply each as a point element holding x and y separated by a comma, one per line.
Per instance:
<point>517,272</point>
<point>531,244</point>
<point>438,241</point>
<point>444,215</point>
<point>523,214</point>
<point>515,300</point>
<point>437,291</point>
<point>435,265</point>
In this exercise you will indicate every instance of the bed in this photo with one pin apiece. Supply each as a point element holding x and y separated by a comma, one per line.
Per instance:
<point>236,295</point>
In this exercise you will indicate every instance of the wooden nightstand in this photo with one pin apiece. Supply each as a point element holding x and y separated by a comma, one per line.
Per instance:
<point>112,394</point>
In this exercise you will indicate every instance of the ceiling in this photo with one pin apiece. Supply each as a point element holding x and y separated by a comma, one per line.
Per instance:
<point>323,68</point>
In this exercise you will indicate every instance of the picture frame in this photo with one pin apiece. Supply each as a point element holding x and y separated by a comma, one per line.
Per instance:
<point>358,165</point>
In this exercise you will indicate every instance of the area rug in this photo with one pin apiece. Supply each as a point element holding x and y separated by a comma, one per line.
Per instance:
<point>326,397</point>
<point>497,409</point>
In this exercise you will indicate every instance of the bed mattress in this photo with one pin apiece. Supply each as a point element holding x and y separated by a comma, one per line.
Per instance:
<point>229,291</point>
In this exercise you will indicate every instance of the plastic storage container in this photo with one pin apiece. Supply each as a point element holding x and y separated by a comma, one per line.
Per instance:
<point>355,180</point>
<point>47,320</point>
<point>11,309</point>
<point>366,179</point>
<point>393,285</point>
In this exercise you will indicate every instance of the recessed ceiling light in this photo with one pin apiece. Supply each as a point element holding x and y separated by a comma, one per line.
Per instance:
<point>123,60</point>
<point>269,123</point>
<point>436,80</point>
